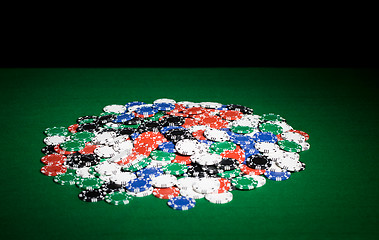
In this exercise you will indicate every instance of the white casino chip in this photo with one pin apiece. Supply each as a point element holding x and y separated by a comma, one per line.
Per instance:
<point>114,108</point>
<point>142,194</point>
<point>164,181</point>
<point>275,168</point>
<point>266,147</point>
<point>213,105</point>
<point>187,147</point>
<point>216,135</point>
<point>305,146</point>
<point>104,138</point>
<point>122,178</point>
<point>55,140</point>
<point>290,165</point>
<point>164,100</point>
<point>104,152</point>
<point>206,158</point>
<point>260,179</point>
<point>189,192</point>
<point>206,185</point>
<point>123,146</point>
<point>186,182</point>
<point>293,136</point>
<point>107,169</point>
<point>84,172</point>
<point>197,128</point>
<point>219,198</point>
<point>189,104</point>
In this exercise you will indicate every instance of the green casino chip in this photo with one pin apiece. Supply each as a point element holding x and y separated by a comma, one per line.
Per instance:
<point>230,174</point>
<point>89,183</point>
<point>244,183</point>
<point>138,165</point>
<point>118,198</point>
<point>57,131</point>
<point>73,145</point>
<point>242,129</point>
<point>220,147</point>
<point>162,156</point>
<point>272,117</point>
<point>271,127</point>
<point>175,168</point>
<point>67,178</point>
<point>83,136</point>
<point>290,146</point>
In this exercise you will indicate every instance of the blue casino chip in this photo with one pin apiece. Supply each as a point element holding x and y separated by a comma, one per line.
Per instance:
<point>164,106</point>
<point>149,172</point>
<point>181,203</point>
<point>249,149</point>
<point>139,185</point>
<point>241,139</point>
<point>223,107</point>
<point>135,103</point>
<point>134,136</point>
<point>265,137</point>
<point>124,117</point>
<point>167,147</point>
<point>144,110</point>
<point>277,176</point>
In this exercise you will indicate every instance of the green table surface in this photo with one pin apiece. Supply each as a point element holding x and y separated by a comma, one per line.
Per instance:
<point>336,197</point>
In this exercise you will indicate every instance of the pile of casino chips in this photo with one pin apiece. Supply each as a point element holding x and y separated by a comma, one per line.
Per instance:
<point>178,151</point>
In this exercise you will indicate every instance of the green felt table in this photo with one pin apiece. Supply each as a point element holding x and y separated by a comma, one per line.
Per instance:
<point>336,197</point>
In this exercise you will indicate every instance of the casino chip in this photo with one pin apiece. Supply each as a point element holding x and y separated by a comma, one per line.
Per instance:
<point>166,193</point>
<point>181,203</point>
<point>219,198</point>
<point>91,195</point>
<point>178,151</point>
<point>118,198</point>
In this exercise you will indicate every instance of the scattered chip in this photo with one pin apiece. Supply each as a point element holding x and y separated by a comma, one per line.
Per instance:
<point>178,151</point>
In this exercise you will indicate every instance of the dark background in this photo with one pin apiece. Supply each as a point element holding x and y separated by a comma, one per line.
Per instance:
<point>325,87</point>
<point>334,198</point>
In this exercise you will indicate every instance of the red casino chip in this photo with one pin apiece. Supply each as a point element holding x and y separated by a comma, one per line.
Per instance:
<point>166,193</point>
<point>72,128</point>
<point>178,108</point>
<point>53,170</point>
<point>182,159</point>
<point>211,111</point>
<point>279,136</point>
<point>143,149</point>
<point>88,149</point>
<point>213,121</point>
<point>143,116</point>
<point>250,171</point>
<point>306,135</point>
<point>54,159</point>
<point>177,114</point>
<point>61,151</point>
<point>128,159</point>
<point>237,154</point>
<point>199,134</point>
<point>194,110</point>
<point>150,138</point>
<point>231,115</point>
<point>189,122</point>
<point>224,185</point>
